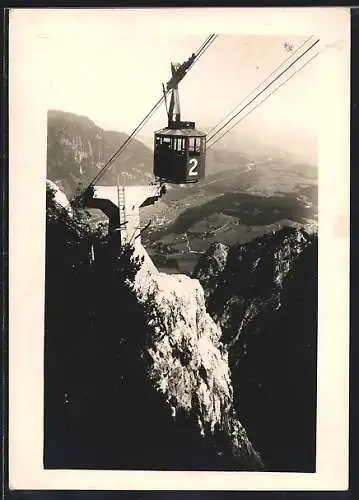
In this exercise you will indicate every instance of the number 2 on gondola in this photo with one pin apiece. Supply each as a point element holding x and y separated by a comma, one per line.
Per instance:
<point>193,169</point>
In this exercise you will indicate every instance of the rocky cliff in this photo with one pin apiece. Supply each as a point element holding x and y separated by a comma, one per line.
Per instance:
<point>164,371</point>
<point>264,296</point>
<point>77,149</point>
<point>147,383</point>
<point>188,366</point>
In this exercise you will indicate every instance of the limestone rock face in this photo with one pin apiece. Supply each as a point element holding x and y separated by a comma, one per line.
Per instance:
<point>210,266</point>
<point>188,365</point>
<point>248,279</point>
<point>186,349</point>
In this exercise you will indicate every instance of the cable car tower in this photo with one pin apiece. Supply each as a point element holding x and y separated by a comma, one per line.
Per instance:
<point>179,149</point>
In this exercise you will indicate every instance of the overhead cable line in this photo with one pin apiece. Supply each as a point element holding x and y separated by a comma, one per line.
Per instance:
<point>117,153</point>
<point>260,84</point>
<point>267,97</point>
<point>205,46</point>
<point>261,92</point>
<point>210,39</point>
<point>199,53</point>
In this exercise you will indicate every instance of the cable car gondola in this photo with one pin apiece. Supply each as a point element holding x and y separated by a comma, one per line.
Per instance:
<point>179,149</point>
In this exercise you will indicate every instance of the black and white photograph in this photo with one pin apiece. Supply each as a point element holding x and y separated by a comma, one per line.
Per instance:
<point>182,189</point>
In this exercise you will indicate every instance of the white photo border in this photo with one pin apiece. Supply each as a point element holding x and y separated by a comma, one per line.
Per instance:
<point>29,42</point>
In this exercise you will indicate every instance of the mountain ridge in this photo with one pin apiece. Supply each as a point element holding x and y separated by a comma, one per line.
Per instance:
<point>77,149</point>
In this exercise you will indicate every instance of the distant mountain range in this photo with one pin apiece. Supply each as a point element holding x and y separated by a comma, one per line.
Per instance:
<point>77,149</point>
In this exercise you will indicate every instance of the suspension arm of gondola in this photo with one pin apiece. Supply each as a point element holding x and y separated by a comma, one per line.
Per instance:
<point>179,71</point>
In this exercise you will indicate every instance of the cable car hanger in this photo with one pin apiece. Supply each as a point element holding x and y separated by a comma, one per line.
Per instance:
<point>174,110</point>
<point>179,71</point>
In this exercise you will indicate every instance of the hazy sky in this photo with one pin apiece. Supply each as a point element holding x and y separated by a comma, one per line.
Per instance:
<point>114,77</point>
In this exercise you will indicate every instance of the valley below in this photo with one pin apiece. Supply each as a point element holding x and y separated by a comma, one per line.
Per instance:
<point>232,207</point>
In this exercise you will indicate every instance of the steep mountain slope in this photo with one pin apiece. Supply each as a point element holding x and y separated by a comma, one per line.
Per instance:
<point>77,149</point>
<point>147,383</point>
<point>188,366</point>
<point>264,296</point>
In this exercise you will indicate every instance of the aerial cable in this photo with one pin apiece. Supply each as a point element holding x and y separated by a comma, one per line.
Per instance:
<point>205,46</point>
<point>124,144</point>
<point>267,97</point>
<point>260,84</point>
<point>198,54</point>
<point>205,43</point>
<point>209,42</point>
<point>116,154</point>
<point>271,93</point>
<point>261,92</point>
<point>200,51</point>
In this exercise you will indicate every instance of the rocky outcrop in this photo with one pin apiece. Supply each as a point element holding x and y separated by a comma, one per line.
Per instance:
<point>210,266</point>
<point>188,366</point>
<point>240,282</point>
<point>265,299</point>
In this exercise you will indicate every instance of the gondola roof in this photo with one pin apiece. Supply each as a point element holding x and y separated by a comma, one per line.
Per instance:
<point>182,132</point>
